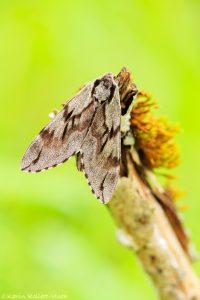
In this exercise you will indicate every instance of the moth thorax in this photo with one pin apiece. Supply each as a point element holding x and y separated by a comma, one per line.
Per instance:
<point>103,90</point>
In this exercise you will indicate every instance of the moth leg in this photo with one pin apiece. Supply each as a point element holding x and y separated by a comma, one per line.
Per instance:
<point>53,113</point>
<point>79,163</point>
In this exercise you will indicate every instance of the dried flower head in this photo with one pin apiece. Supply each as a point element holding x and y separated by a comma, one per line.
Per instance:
<point>154,136</point>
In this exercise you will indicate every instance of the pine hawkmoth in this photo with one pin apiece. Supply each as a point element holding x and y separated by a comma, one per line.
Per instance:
<point>88,126</point>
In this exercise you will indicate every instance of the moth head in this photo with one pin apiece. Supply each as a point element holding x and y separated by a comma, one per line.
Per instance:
<point>104,88</point>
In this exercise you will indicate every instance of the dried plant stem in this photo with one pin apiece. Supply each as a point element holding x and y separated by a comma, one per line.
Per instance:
<point>151,237</point>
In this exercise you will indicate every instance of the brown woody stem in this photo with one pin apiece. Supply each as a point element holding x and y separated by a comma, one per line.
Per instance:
<point>152,239</point>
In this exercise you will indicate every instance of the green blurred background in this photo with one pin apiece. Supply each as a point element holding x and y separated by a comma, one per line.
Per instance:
<point>55,237</point>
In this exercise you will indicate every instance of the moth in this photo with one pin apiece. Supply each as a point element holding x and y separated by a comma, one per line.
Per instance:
<point>88,127</point>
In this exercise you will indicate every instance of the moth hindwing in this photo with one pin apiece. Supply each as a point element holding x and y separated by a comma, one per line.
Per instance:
<point>89,126</point>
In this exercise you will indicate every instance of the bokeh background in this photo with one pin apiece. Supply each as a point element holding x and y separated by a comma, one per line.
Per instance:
<point>55,237</point>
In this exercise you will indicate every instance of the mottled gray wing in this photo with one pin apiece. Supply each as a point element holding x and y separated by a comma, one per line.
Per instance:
<point>101,149</point>
<point>63,136</point>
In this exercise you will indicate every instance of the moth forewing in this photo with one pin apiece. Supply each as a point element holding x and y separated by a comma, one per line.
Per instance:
<point>101,149</point>
<point>63,136</point>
